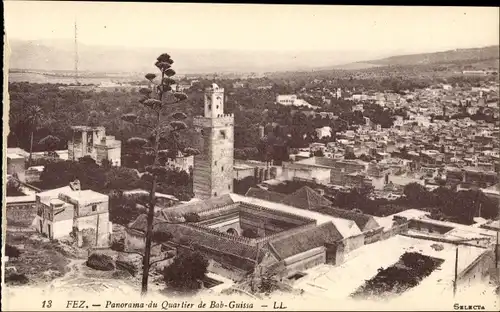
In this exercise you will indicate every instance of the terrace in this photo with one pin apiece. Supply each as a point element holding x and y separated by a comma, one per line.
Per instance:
<point>339,282</point>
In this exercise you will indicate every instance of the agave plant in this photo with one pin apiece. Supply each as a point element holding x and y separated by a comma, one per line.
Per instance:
<point>159,100</point>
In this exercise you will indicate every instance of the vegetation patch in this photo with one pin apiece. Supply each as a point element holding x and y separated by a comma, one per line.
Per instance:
<point>186,272</point>
<point>14,278</point>
<point>36,257</point>
<point>407,273</point>
<point>100,262</point>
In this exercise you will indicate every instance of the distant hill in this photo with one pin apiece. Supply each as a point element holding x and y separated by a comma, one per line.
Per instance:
<point>57,55</point>
<point>459,56</point>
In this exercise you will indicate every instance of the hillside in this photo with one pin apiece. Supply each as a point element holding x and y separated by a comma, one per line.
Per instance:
<point>476,55</point>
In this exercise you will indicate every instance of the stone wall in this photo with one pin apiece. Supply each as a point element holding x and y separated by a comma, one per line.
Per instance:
<point>306,260</point>
<point>478,270</point>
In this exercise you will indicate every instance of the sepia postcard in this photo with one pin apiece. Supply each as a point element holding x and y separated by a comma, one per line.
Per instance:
<point>250,157</point>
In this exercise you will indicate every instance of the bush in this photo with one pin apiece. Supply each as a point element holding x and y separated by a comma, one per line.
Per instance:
<point>186,271</point>
<point>11,251</point>
<point>118,245</point>
<point>100,262</point>
<point>127,266</point>
<point>16,278</point>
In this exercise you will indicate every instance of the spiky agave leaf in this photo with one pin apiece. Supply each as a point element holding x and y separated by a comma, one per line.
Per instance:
<point>179,116</point>
<point>157,170</point>
<point>152,103</point>
<point>189,151</point>
<point>178,125</point>
<point>163,57</point>
<point>168,81</point>
<point>150,76</point>
<point>170,72</point>
<point>137,142</point>
<point>129,117</point>
<point>163,65</point>
<point>164,88</point>
<point>180,96</point>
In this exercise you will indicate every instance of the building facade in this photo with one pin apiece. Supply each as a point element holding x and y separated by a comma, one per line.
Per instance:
<point>69,211</point>
<point>213,167</point>
<point>93,142</point>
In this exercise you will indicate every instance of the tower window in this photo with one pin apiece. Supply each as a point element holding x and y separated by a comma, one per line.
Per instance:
<point>222,168</point>
<point>223,134</point>
<point>217,107</point>
<point>94,207</point>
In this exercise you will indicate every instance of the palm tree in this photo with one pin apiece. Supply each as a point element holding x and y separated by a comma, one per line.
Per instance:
<point>160,100</point>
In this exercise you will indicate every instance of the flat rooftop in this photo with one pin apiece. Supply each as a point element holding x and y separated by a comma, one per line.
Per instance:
<point>82,196</point>
<point>14,156</point>
<point>363,263</point>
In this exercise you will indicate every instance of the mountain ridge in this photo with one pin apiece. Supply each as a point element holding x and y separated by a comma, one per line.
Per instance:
<point>455,55</point>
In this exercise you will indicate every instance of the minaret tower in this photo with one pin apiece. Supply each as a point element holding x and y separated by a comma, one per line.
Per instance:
<point>213,167</point>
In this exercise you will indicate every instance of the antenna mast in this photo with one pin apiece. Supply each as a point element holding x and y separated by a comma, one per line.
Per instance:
<point>76,53</point>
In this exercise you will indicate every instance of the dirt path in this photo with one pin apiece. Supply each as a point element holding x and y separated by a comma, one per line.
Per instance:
<point>80,277</point>
<point>73,274</point>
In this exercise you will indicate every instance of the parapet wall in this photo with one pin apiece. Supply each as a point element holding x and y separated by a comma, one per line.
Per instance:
<point>207,230</point>
<point>218,210</point>
<point>219,121</point>
<point>238,207</point>
<point>251,207</point>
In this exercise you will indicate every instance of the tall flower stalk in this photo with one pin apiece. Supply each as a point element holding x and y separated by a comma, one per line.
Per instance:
<point>161,100</point>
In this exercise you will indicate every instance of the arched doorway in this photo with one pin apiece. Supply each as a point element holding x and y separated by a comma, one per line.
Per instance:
<point>232,231</point>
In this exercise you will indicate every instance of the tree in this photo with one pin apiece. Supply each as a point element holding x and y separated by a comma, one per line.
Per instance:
<point>185,272</point>
<point>160,100</point>
<point>33,114</point>
<point>417,195</point>
<point>121,178</point>
<point>50,143</point>
<point>14,188</point>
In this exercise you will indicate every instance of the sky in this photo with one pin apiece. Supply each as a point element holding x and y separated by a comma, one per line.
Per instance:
<point>255,27</point>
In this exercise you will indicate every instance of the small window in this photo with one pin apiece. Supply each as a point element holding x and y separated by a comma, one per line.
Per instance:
<point>222,168</point>
<point>94,207</point>
<point>223,134</point>
<point>215,163</point>
<point>215,193</point>
<point>229,186</point>
<point>217,107</point>
<point>209,106</point>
